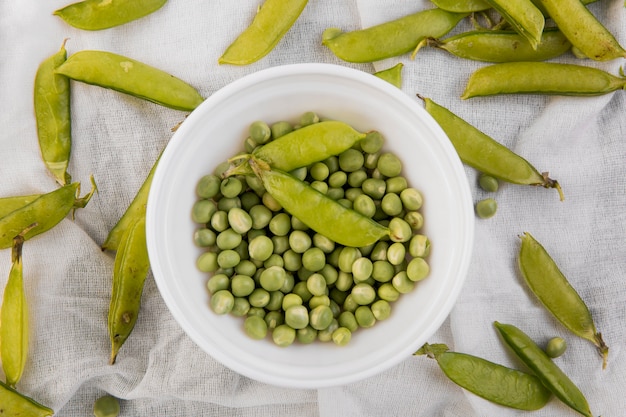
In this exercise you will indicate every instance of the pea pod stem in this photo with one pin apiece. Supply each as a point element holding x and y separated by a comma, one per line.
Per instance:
<point>551,287</point>
<point>493,382</point>
<point>485,154</point>
<point>547,371</point>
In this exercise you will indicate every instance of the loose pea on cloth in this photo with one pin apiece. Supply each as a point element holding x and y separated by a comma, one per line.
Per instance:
<point>160,372</point>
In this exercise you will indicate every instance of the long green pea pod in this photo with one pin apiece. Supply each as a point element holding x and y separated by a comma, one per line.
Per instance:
<point>392,75</point>
<point>10,204</point>
<point>524,16</point>
<point>129,275</point>
<point>389,39</point>
<point>485,154</point>
<point>271,23</point>
<point>14,318</point>
<point>46,211</point>
<point>583,29</point>
<point>135,210</point>
<point>52,114</point>
<point>547,371</point>
<point>462,6</point>
<point>99,14</point>
<point>491,381</point>
<point>551,287</point>
<point>14,404</point>
<point>129,76</point>
<point>322,214</point>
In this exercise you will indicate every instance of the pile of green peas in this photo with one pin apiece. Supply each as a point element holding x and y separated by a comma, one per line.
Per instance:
<point>289,281</point>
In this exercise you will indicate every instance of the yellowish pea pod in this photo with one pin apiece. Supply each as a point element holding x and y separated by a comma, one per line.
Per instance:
<point>392,75</point>
<point>271,23</point>
<point>129,76</point>
<point>99,14</point>
<point>15,404</point>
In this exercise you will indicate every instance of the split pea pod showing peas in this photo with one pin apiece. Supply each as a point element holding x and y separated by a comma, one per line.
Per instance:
<point>391,38</point>
<point>52,115</point>
<point>493,382</point>
<point>47,210</point>
<point>15,404</point>
<point>322,214</point>
<point>542,366</point>
<point>126,75</point>
<point>541,78</point>
<point>135,210</point>
<point>583,29</point>
<point>129,275</point>
<point>525,18</point>
<point>547,282</point>
<point>14,318</point>
<point>99,14</point>
<point>271,23</point>
<point>485,154</point>
<point>503,46</point>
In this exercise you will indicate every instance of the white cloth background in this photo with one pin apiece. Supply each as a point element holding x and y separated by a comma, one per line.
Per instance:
<point>160,372</point>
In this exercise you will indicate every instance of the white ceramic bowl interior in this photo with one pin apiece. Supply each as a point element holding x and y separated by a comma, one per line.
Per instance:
<point>216,130</point>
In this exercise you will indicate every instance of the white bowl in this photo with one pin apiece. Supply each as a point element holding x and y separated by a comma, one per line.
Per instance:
<point>216,130</point>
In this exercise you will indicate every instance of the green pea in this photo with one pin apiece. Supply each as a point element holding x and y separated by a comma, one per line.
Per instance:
<point>351,160</point>
<point>106,406</point>
<point>241,307</point>
<point>313,259</point>
<point>391,204</point>
<point>307,335</point>
<point>344,281</point>
<point>261,216</point>
<point>273,319</point>
<point>219,221</point>
<point>281,129</point>
<point>218,282</point>
<point>96,15</point>
<point>412,199</point>
<point>255,327</point>
<point>364,204</point>
<point>320,317</point>
<point>299,241</point>
<point>280,224</point>
<point>228,258</point>
<point>316,284</point>
<point>257,312</point>
<point>228,239</point>
<point>381,309</point>
<point>265,31</point>
<point>283,335</point>
<point>389,165</point>
<point>228,203</point>
<point>132,77</point>
<point>231,187</point>
<point>363,294</point>
<point>207,262</point>
<point>379,252</point>
<point>352,193</point>
<point>488,183</point>
<point>202,211</point>
<point>417,269</point>
<point>292,260</point>
<point>556,347</point>
<point>383,271</point>
<point>371,160</point>
<point>260,132</point>
<point>356,178</point>
<point>261,248</point>
<point>222,302</point>
<point>400,230</point>
<point>337,179</point>
<point>402,283</point>
<point>297,316</point>
<point>323,243</point>
<point>396,253</point>
<point>347,257</point>
<point>364,316</point>
<point>242,285</point>
<point>392,38</point>
<point>388,292</point>
<point>259,297</point>
<point>290,300</point>
<point>319,171</point>
<point>326,335</point>
<point>341,336</point>
<point>273,278</point>
<point>346,319</point>
<point>396,185</point>
<point>415,219</point>
<point>274,260</point>
<point>362,269</point>
<point>486,208</point>
<point>270,202</point>
<point>419,246</point>
<point>309,118</point>
<point>374,187</point>
<point>204,237</point>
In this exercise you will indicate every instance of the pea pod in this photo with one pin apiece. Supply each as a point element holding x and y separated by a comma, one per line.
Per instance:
<point>272,21</point>
<point>502,46</point>
<point>493,382</point>
<point>126,75</point>
<point>135,210</point>
<point>129,275</point>
<point>547,282</point>
<point>10,204</point>
<point>46,210</point>
<point>392,38</point>
<point>392,75</point>
<point>583,29</point>
<point>541,78</point>
<point>462,6</point>
<point>52,114</point>
<point>15,404</point>
<point>485,154</point>
<point>99,14</point>
<point>547,371</point>
<point>525,18</point>
<point>14,318</point>
<point>316,210</point>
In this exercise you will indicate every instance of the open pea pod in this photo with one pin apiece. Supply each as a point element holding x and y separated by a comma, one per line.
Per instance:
<point>524,16</point>
<point>47,210</point>
<point>14,404</point>
<point>551,287</point>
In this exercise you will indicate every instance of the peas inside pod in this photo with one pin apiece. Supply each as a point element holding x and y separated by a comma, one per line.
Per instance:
<point>273,263</point>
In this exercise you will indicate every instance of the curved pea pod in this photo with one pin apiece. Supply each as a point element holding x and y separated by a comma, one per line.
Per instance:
<point>99,14</point>
<point>524,16</point>
<point>503,46</point>
<point>541,78</point>
<point>491,381</point>
<point>135,210</point>
<point>551,287</point>
<point>462,6</point>
<point>10,204</point>
<point>322,214</point>
<point>583,29</point>
<point>392,75</point>
<point>52,115</point>
<point>47,210</point>
<point>392,38</point>
<point>542,366</point>
<point>485,154</point>
<point>15,404</point>
<point>126,75</point>
<point>129,275</point>
<point>271,23</point>
<point>14,318</point>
